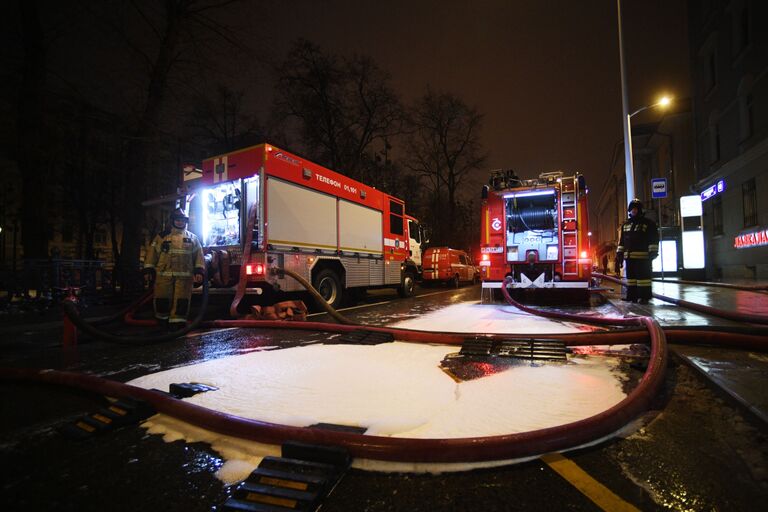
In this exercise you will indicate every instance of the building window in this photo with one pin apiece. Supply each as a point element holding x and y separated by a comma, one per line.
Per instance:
<point>749,200</point>
<point>749,114</point>
<point>714,142</point>
<point>741,35</point>
<point>717,215</point>
<point>746,107</point>
<point>710,72</point>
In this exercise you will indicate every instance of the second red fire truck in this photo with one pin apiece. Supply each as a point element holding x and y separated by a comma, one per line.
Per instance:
<point>262,207</point>
<point>535,231</point>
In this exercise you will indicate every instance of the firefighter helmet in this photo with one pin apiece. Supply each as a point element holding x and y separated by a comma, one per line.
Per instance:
<point>178,214</point>
<point>635,203</point>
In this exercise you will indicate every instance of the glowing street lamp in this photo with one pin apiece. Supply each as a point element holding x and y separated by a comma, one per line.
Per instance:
<point>663,102</point>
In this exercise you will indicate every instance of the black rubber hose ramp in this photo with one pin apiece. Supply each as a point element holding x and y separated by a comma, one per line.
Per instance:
<point>70,309</point>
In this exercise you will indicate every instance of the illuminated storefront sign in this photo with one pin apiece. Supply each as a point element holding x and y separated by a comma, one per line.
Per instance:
<point>754,239</point>
<point>693,233</point>
<point>712,191</point>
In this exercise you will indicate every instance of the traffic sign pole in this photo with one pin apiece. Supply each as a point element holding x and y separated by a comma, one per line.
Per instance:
<point>658,192</point>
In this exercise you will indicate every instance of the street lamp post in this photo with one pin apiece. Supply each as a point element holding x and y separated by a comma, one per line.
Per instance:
<point>629,168</point>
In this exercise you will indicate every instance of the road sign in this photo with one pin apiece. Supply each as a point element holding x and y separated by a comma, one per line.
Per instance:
<point>659,188</point>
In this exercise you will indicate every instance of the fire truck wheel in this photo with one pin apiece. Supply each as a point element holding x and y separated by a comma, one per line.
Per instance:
<point>407,286</point>
<point>328,286</point>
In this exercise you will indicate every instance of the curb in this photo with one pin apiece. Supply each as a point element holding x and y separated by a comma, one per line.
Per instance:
<point>731,396</point>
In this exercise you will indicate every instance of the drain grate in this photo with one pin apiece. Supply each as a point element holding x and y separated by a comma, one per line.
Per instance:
<point>520,348</point>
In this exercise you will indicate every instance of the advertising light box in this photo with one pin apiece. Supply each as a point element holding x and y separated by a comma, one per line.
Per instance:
<point>693,234</point>
<point>666,261</point>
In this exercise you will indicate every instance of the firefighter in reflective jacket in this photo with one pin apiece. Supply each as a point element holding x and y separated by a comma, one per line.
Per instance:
<point>639,246</point>
<point>176,257</point>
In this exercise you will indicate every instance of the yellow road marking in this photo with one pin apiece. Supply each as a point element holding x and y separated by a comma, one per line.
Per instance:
<point>588,486</point>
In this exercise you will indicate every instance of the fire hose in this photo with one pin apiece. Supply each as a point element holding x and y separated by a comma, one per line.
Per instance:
<point>730,315</point>
<point>497,447</point>
<point>387,448</point>
<point>747,287</point>
<point>70,309</point>
<point>316,295</point>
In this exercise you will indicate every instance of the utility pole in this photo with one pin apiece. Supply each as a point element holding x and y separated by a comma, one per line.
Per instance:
<point>628,163</point>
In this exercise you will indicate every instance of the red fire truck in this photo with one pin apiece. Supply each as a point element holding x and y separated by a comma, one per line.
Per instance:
<point>536,231</point>
<point>263,207</point>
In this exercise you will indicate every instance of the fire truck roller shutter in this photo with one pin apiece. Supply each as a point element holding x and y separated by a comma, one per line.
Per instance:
<point>529,219</point>
<point>289,223</point>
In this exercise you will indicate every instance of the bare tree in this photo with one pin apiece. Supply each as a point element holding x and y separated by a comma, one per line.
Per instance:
<point>220,122</point>
<point>32,134</point>
<point>168,28</point>
<point>342,106</point>
<point>444,148</point>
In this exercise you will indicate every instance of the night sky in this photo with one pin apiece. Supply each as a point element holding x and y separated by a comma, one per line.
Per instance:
<point>544,73</point>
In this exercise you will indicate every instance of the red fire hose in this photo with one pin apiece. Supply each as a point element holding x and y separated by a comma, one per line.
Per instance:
<point>498,447</point>
<point>747,287</point>
<point>722,313</point>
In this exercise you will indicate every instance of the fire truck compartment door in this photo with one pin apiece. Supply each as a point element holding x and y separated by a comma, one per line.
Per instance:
<point>300,217</point>
<point>360,228</point>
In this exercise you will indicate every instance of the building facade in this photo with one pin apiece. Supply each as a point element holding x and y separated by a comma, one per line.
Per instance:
<point>662,149</point>
<point>729,63</point>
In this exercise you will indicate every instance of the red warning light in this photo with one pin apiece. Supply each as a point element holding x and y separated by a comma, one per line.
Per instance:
<point>252,269</point>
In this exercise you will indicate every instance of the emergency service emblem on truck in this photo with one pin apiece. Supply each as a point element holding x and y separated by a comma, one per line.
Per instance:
<point>263,207</point>
<point>535,231</point>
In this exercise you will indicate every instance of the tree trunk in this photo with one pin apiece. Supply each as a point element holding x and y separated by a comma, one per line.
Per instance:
<point>31,136</point>
<point>143,146</point>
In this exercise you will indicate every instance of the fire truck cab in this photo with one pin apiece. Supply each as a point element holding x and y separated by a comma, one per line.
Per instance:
<point>535,231</point>
<point>263,208</point>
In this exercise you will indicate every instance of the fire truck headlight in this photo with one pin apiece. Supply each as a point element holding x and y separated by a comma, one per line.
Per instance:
<point>583,254</point>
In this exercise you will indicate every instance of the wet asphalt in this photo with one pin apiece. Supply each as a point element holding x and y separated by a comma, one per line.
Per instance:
<point>692,451</point>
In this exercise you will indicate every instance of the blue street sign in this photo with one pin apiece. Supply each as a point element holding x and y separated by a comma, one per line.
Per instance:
<point>713,190</point>
<point>658,188</point>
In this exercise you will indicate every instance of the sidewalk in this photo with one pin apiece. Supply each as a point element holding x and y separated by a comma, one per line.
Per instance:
<point>740,376</point>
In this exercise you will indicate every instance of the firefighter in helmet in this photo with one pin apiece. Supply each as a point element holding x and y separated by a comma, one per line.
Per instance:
<point>639,246</point>
<point>176,257</point>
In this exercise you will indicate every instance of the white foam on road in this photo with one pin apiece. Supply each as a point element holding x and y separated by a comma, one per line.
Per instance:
<point>393,389</point>
<point>489,318</point>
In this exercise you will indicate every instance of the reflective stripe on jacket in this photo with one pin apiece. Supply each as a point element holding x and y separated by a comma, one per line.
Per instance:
<point>177,253</point>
